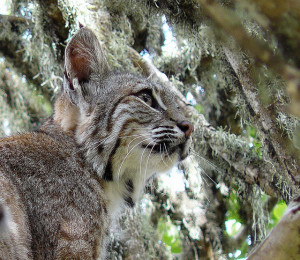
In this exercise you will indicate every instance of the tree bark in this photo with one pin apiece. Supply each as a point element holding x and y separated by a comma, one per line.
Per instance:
<point>284,241</point>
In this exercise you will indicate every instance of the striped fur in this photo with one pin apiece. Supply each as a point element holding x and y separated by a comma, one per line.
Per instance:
<point>110,133</point>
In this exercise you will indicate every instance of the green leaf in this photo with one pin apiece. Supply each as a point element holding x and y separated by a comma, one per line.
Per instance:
<point>279,210</point>
<point>170,235</point>
<point>199,108</point>
<point>251,131</point>
<point>233,207</point>
<point>176,248</point>
<point>257,148</point>
<point>167,239</point>
<point>277,213</point>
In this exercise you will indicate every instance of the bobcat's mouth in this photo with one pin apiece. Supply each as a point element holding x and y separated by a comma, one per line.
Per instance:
<point>166,147</point>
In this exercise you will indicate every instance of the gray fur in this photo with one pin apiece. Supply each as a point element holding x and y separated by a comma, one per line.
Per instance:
<point>61,185</point>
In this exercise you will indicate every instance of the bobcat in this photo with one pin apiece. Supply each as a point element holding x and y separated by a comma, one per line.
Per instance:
<point>110,132</point>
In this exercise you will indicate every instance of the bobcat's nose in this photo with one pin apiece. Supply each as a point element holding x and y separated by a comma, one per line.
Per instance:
<point>186,127</point>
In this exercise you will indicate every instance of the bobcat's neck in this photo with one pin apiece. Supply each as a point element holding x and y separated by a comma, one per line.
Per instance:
<point>130,171</point>
<point>124,192</point>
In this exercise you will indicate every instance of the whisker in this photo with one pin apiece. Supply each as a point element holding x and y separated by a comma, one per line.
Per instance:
<point>202,170</point>
<point>161,155</point>
<point>128,155</point>
<point>100,142</point>
<point>167,152</point>
<point>142,128</point>
<point>148,161</point>
<point>143,155</point>
<point>126,136</point>
<point>103,140</point>
<point>134,140</point>
<point>171,140</point>
<point>212,165</point>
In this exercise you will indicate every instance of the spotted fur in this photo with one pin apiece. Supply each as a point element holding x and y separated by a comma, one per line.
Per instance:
<point>110,132</point>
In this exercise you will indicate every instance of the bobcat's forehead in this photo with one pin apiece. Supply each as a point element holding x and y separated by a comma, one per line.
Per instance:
<point>121,86</point>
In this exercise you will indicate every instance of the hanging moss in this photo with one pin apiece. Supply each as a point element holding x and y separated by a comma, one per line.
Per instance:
<point>22,106</point>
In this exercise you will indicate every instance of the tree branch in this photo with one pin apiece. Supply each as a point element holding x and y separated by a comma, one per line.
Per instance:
<point>265,121</point>
<point>15,20</point>
<point>236,152</point>
<point>57,32</point>
<point>283,20</point>
<point>12,48</point>
<point>231,24</point>
<point>284,241</point>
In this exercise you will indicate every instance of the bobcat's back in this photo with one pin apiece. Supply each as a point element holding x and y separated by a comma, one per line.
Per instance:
<point>50,200</point>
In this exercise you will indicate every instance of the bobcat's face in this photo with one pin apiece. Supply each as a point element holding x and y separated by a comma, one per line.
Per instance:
<point>140,130</point>
<point>129,128</point>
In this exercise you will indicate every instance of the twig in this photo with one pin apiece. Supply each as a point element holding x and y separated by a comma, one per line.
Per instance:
<point>14,19</point>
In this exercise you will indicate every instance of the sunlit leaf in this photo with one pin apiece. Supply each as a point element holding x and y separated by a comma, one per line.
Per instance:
<point>277,213</point>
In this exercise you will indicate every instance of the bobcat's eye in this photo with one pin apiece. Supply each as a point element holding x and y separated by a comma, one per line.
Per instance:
<point>147,98</point>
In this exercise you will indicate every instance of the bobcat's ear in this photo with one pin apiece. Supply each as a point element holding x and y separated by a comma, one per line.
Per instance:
<point>84,56</point>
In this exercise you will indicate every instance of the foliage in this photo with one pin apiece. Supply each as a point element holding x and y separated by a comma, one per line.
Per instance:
<point>277,213</point>
<point>170,235</point>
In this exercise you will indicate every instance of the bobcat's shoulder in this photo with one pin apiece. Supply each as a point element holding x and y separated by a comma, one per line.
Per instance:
<point>60,203</point>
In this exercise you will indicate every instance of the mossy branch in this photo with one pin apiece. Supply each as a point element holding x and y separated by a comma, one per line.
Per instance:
<point>39,53</point>
<point>15,20</point>
<point>265,120</point>
<point>57,32</point>
<point>13,49</point>
<point>231,24</point>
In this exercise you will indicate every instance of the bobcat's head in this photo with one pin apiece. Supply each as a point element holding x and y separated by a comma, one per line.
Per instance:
<point>129,127</point>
